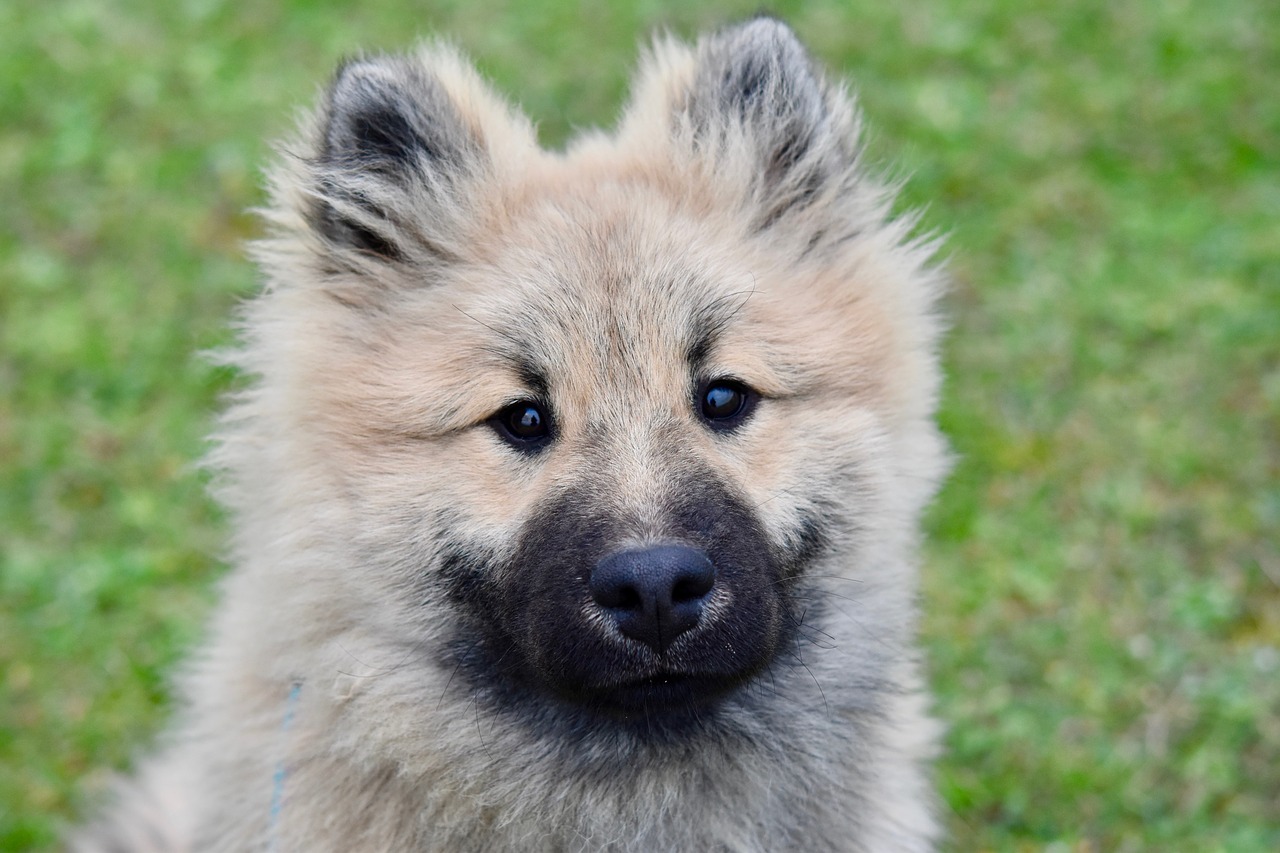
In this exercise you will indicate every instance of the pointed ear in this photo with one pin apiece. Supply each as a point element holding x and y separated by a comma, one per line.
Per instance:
<point>392,116</point>
<point>748,103</point>
<point>399,147</point>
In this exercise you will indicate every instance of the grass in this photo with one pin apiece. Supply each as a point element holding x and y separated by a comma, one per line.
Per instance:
<point>1103,579</point>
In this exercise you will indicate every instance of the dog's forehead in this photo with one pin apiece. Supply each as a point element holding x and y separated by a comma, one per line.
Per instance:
<point>614,274</point>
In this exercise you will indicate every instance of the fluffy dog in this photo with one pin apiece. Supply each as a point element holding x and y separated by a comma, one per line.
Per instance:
<point>575,495</point>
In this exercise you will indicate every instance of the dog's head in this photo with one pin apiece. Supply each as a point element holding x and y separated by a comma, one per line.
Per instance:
<point>613,426</point>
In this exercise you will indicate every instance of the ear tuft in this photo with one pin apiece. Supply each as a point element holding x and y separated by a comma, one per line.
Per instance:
<point>748,107</point>
<point>396,145</point>
<point>757,80</point>
<point>757,71</point>
<point>390,115</point>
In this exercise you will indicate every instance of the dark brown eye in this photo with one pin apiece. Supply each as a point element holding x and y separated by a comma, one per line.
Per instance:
<point>725,403</point>
<point>525,425</point>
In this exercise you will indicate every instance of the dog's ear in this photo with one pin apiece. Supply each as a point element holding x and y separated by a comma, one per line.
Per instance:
<point>748,103</point>
<point>390,133</point>
<point>397,153</point>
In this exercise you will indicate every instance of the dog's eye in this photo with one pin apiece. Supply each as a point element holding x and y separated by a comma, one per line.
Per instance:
<point>725,403</point>
<point>525,424</point>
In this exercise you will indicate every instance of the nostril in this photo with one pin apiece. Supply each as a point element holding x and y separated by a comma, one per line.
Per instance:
<point>694,578</point>
<point>626,598</point>
<point>613,588</point>
<point>693,585</point>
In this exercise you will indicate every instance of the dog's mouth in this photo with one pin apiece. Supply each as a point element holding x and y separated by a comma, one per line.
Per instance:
<point>660,695</point>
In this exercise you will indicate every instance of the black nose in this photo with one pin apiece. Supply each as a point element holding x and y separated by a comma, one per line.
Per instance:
<point>654,594</point>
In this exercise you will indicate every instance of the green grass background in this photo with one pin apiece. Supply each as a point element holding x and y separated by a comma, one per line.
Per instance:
<point>1103,579</point>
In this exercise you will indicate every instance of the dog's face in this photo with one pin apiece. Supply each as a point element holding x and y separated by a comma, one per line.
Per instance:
<point>623,395</point>
<point>600,423</point>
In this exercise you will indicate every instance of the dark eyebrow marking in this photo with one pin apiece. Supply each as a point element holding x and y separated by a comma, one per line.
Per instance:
<point>701,343</point>
<point>511,348</point>
<point>533,378</point>
<point>711,322</point>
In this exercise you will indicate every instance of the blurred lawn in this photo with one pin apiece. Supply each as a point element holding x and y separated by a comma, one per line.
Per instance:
<point>1103,584</point>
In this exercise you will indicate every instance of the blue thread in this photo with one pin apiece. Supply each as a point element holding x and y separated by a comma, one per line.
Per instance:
<point>282,769</point>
